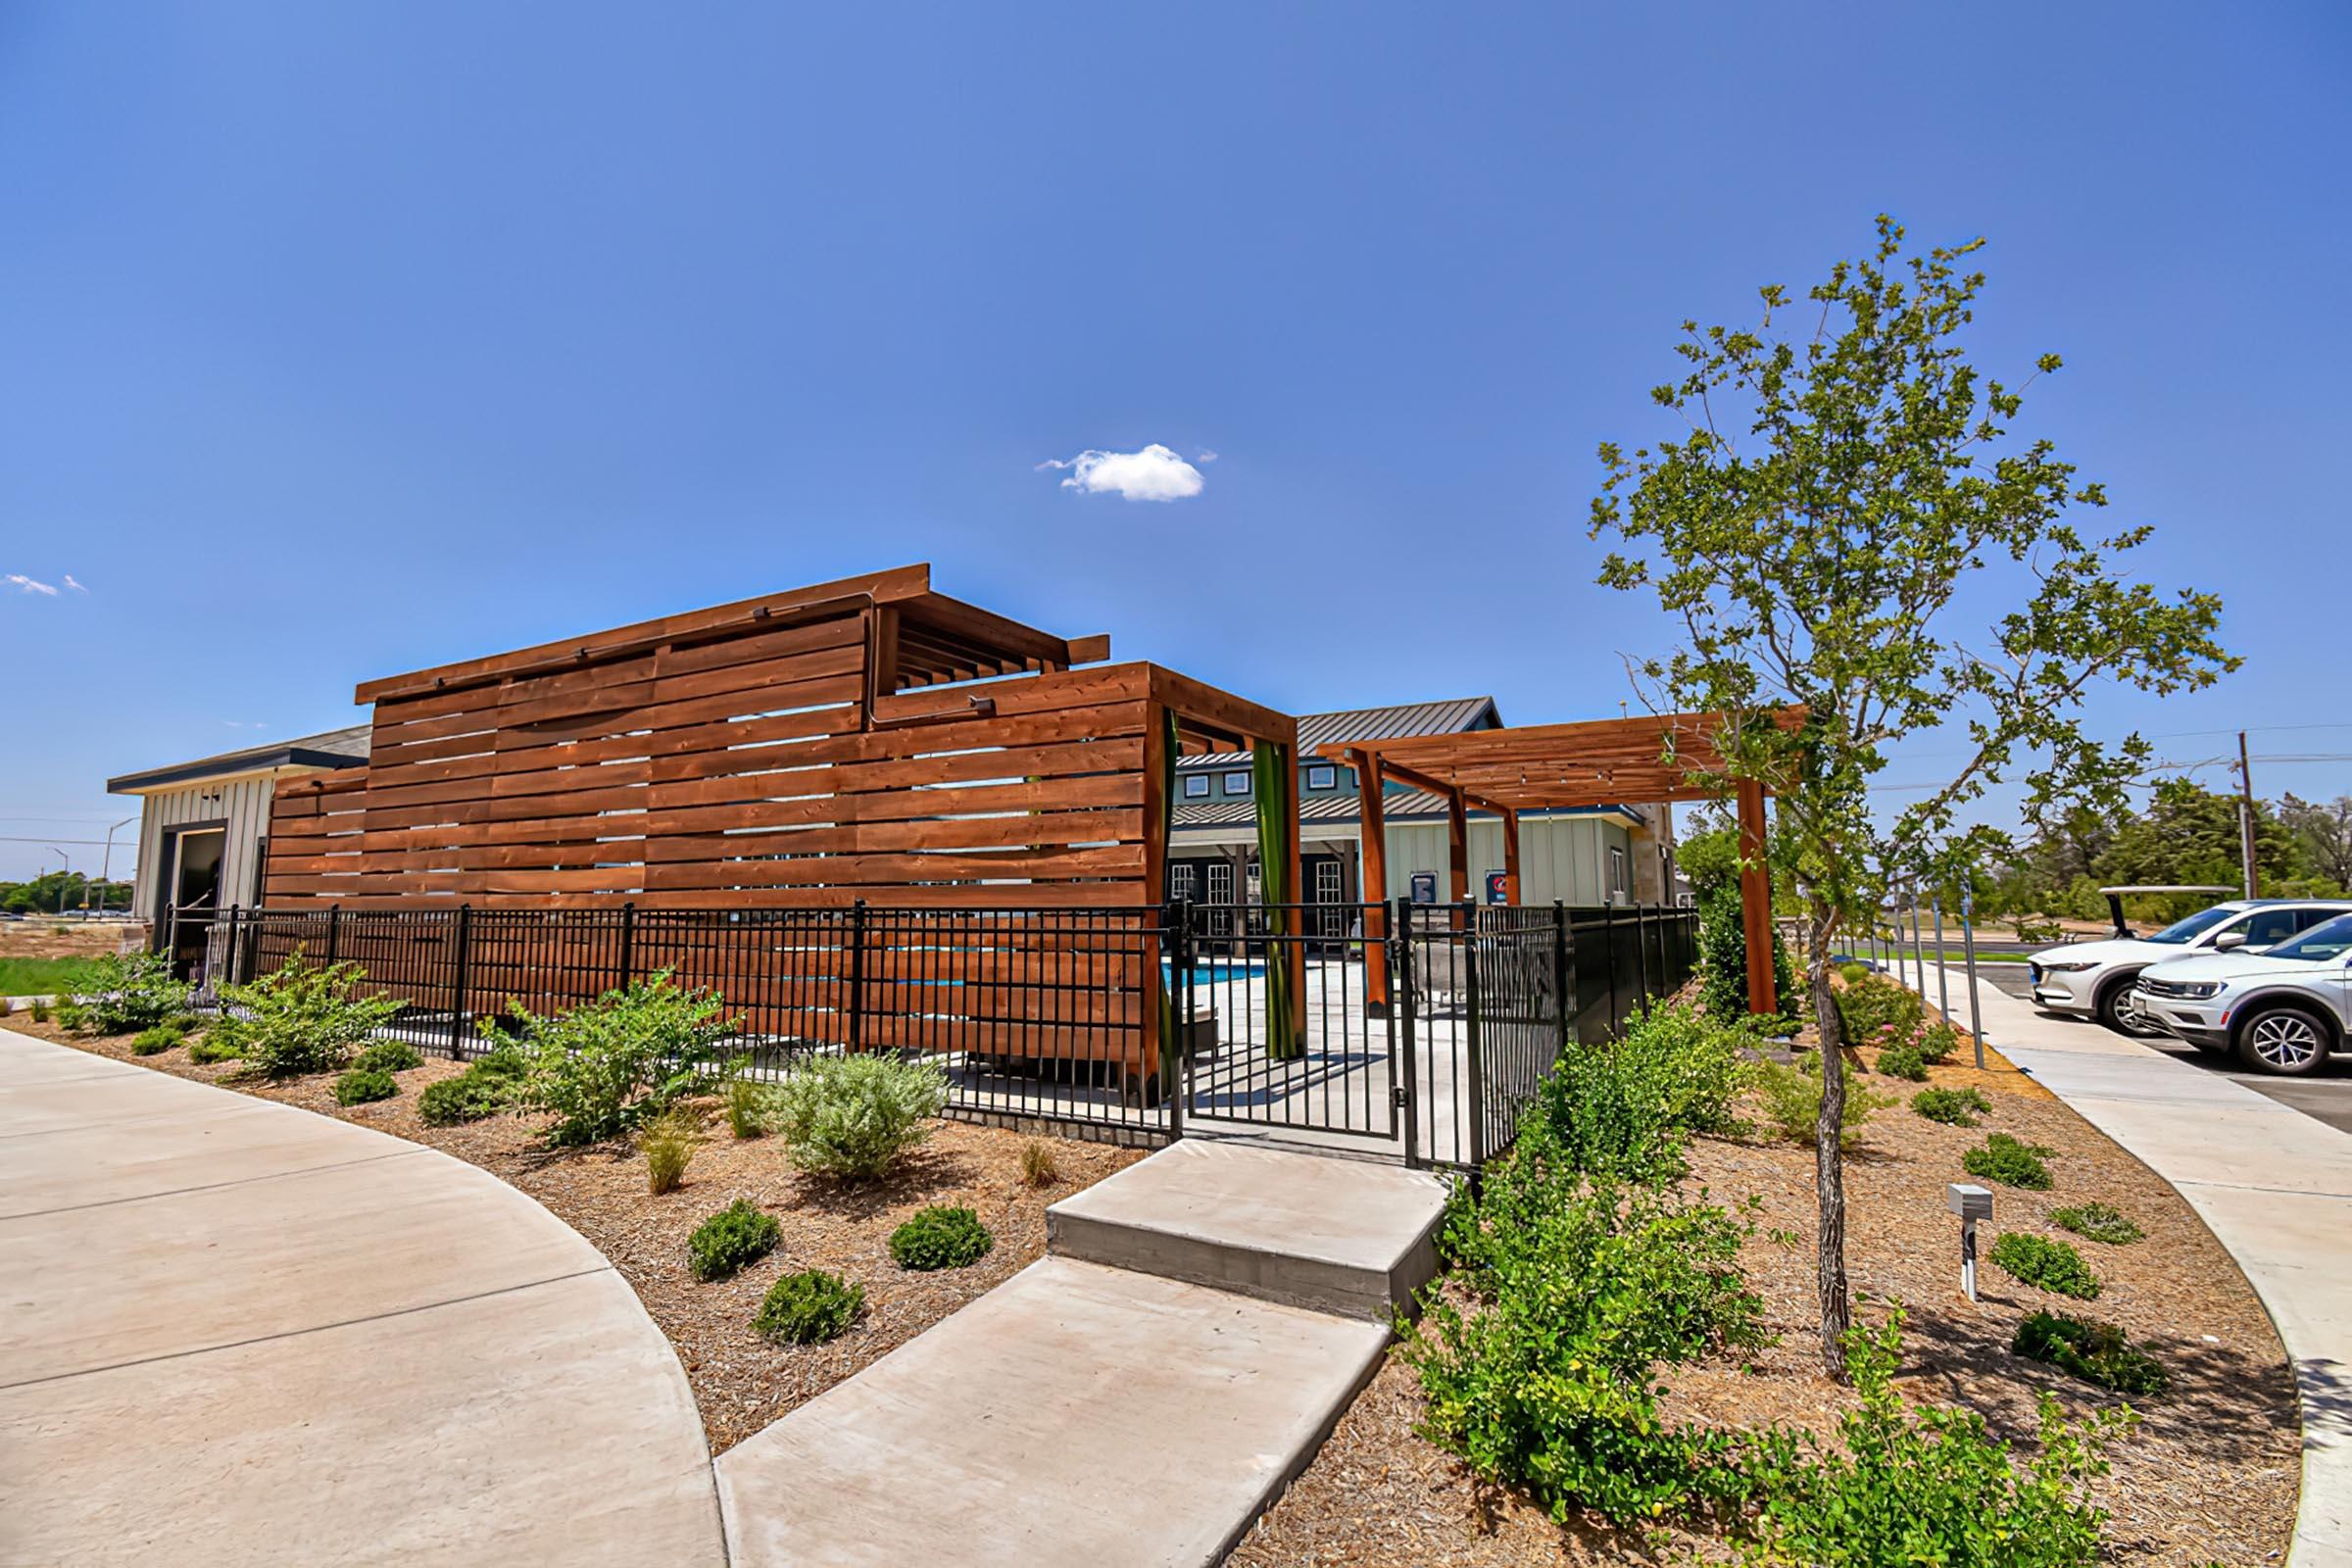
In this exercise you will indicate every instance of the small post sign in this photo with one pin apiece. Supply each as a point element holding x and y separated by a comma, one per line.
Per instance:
<point>1425,887</point>
<point>1972,1203</point>
<point>1499,887</point>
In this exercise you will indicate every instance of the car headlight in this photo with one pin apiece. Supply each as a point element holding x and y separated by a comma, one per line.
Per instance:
<point>2068,968</point>
<point>2195,990</point>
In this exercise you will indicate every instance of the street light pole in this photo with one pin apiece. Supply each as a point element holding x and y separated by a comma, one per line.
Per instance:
<point>107,864</point>
<point>66,867</point>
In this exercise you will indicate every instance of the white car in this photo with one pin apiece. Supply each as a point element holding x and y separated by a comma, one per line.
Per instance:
<point>2095,979</point>
<point>2282,1012</point>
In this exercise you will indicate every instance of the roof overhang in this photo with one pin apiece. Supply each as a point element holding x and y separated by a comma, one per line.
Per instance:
<point>269,765</point>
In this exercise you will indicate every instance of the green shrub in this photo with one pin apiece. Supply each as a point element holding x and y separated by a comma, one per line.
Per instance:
<point>1793,1101</point>
<point>161,1038</point>
<point>303,1017</point>
<point>2099,1223</point>
<point>852,1116</point>
<point>2004,1160</point>
<point>219,1043</point>
<point>1852,971</point>
<point>2094,1352</point>
<point>1937,1041</point>
<point>1580,1287</point>
<point>668,1142</point>
<point>491,1085</point>
<point>731,1241</point>
<point>364,1084</point>
<point>2046,1265</point>
<point>40,1009</point>
<point>1904,1061</point>
<point>751,1107</point>
<point>1876,1005</point>
<point>941,1237</point>
<point>808,1308</point>
<point>1927,1484</point>
<point>122,992</point>
<point>388,1055</point>
<point>1954,1107</point>
<point>602,1068</point>
<point>1622,1110</point>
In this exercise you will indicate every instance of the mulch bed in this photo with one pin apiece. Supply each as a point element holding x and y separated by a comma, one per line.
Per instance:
<point>740,1381</point>
<point>2212,1473</point>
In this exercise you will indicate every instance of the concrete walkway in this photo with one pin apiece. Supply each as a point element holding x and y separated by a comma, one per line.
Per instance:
<point>1084,1414</point>
<point>234,1332</point>
<point>2274,1185</point>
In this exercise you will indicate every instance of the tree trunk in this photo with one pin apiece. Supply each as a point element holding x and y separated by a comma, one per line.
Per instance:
<point>1829,1150</point>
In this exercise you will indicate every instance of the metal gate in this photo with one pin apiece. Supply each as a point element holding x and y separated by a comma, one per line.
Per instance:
<point>1278,1031</point>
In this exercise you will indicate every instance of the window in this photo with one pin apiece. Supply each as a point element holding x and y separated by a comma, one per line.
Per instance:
<point>1617,887</point>
<point>1196,786</point>
<point>2270,927</point>
<point>1327,881</point>
<point>1236,783</point>
<point>1220,881</point>
<point>1323,776</point>
<point>1180,880</point>
<point>2320,944</point>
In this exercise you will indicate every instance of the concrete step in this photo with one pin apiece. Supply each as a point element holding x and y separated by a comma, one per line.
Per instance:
<point>1075,1415</point>
<point>1329,1234</point>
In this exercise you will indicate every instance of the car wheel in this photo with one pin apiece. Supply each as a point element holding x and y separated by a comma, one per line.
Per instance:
<point>2115,1011</point>
<point>2284,1040</point>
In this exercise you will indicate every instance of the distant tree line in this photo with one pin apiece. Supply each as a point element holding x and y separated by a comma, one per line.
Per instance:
<point>2186,835</point>
<point>54,892</point>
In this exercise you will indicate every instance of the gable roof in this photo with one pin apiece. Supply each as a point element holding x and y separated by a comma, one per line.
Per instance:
<point>1450,717</point>
<point>335,748</point>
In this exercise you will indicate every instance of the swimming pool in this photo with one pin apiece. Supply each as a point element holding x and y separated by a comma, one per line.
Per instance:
<point>1210,970</point>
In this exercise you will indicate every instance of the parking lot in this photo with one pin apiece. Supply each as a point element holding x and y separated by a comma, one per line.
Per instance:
<point>2326,1096</point>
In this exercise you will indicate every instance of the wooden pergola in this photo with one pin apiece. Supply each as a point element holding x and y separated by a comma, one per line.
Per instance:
<point>1668,757</point>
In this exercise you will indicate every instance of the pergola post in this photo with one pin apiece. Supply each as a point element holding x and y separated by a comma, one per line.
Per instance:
<point>1510,857</point>
<point>1755,901</point>
<point>1374,893</point>
<point>1457,849</point>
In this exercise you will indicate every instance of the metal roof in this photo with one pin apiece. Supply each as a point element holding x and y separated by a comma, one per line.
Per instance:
<point>335,748</point>
<point>1450,717</point>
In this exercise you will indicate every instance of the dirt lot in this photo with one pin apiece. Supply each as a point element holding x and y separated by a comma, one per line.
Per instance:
<point>36,937</point>
<point>2212,1473</point>
<point>740,1381</point>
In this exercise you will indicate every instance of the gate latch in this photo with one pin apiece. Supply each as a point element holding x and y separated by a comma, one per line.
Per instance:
<point>1399,1096</point>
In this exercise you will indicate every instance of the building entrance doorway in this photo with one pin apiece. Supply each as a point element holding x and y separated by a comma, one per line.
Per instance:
<point>191,881</point>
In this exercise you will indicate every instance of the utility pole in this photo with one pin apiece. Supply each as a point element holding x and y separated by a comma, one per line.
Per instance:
<point>2246,815</point>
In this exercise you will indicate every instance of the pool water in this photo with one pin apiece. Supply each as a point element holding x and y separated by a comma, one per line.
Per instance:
<point>1215,969</point>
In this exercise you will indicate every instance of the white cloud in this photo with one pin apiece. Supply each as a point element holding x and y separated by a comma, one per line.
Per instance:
<point>76,587</point>
<point>238,724</point>
<point>1205,455</point>
<point>1154,474</point>
<point>25,584</point>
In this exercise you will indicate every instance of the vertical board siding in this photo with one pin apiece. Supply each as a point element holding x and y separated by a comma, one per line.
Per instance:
<point>244,805</point>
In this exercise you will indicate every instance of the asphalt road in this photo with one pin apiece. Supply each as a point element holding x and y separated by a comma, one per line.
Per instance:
<point>2326,1096</point>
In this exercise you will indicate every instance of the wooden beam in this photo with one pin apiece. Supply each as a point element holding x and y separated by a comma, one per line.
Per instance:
<point>1755,901</point>
<point>1374,891</point>
<point>1430,782</point>
<point>1457,844</point>
<point>1510,857</point>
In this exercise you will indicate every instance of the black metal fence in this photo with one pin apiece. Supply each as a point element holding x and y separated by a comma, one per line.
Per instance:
<point>1416,1031</point>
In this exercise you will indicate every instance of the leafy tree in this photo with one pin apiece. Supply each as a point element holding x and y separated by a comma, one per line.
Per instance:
<point>2190,835</point>
<point>2324,834</point>
<point>1840,489</point>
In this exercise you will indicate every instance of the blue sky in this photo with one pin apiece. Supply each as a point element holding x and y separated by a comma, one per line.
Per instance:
<point>340,340</point>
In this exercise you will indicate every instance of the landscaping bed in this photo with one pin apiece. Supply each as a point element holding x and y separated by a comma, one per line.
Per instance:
<point>2210,1475</point>
<point>741,1380</point>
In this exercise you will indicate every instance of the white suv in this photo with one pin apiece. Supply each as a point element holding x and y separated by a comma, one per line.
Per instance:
<point>2282,1012</point>
<point>2095,978</point>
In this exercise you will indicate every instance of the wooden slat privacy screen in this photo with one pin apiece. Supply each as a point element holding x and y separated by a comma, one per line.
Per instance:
<point>757,766</point>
